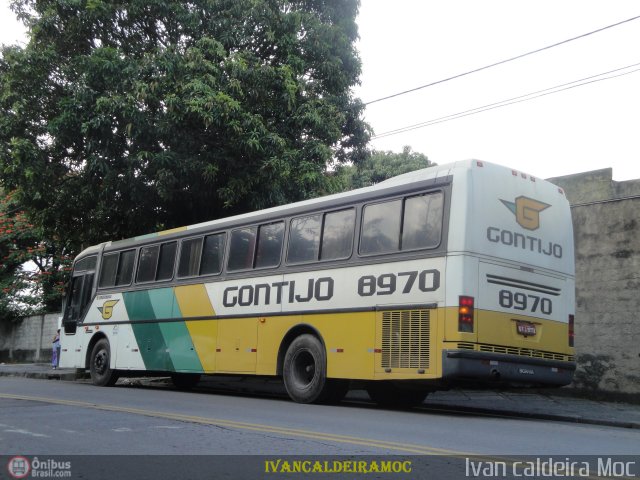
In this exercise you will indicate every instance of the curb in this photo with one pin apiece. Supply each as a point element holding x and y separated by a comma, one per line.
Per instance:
<point>534,416</point>
<point>53,375</point>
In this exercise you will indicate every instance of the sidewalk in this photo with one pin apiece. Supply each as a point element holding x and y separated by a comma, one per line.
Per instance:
<point>513,403</point>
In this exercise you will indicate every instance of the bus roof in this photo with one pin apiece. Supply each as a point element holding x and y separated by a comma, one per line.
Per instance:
<point>438,174</point>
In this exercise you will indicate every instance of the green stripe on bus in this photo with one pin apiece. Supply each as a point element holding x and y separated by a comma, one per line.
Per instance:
<point>164,303</point>
<point>153,348</point>
<point>175,334</point>
<point>181,350</point>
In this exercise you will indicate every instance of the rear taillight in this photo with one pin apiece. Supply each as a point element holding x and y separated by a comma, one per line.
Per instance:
<point>465,314</point>
<point>571,334</point>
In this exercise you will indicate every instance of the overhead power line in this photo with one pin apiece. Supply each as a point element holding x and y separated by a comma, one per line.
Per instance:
<point>511,101</point>
<point>501,62</point>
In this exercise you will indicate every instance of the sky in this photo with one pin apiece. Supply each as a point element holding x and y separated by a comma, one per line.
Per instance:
<point>408,43</point>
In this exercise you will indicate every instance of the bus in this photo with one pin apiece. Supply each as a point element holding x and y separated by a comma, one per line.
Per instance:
<point>454,274</point>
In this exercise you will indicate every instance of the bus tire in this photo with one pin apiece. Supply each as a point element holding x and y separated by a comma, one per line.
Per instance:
<point>305,371</point>
<point>387,394</point>
<point>185,381</point>
<point>102,374</point>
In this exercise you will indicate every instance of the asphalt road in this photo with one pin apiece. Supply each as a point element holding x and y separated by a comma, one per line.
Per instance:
<point>73,418</point>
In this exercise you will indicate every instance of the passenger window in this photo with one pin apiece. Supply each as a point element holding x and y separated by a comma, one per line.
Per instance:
<point>147,264</point>
<point>241,248</point>
<point>422,223</point>
<point>337,234</point>
<point>125,267</point>
<point>108,270</point>
<point>381,228</point>
<point>269,245</point>
<point>212,254</point>
<point>190,257</point>
<point>304,239</point>
<point>166,261</point>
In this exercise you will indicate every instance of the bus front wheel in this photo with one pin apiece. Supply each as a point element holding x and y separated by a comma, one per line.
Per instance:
<point>305,373</point>
<point>100,365</point>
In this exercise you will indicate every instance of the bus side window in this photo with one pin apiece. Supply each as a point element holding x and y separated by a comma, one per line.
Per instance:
<point>166,261</point>
<point>422,222</point>
<point>337,234</point>
<point>117,269</point>
<point>190,252</point>
<point>212,254</point>
<point>108,270</point>
<point>147,264</point>
<point>125,267</point>
<point>381,228</point>
<point>241,248</point>
<point>304,239</point>
<point>269,245</point>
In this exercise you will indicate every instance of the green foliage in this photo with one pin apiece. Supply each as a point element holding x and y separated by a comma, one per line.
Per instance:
<point>379,166</point>
<point>120,118</point>
<point>32,271</point>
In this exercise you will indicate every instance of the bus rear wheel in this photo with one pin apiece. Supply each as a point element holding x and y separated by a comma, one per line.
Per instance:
<point>305,373</point>
<point>389,394</point>
<point>102,374</point>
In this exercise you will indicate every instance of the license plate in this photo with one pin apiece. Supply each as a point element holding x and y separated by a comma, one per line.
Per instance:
<point>525,328</point>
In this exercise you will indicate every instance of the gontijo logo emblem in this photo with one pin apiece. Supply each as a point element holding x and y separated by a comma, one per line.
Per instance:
<point>107,309</point>
<point>527,211</point>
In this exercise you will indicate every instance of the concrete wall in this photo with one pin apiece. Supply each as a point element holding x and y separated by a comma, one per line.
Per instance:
<point>606,222</point>
<point>29,339</point>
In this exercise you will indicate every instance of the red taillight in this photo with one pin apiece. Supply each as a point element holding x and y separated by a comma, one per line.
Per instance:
<point>465,314</point>
<point>571,332</point>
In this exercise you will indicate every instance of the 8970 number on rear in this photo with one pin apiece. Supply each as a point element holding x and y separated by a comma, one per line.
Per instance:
<point>525,301</point>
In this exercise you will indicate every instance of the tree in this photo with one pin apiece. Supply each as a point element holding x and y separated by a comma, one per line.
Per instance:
<point>32,271</point>
<point>379,166</point>
<point>124,117</point>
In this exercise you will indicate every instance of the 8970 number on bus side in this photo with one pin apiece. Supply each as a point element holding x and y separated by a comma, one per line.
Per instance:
<point>525,301</point>
<point>405,282</point>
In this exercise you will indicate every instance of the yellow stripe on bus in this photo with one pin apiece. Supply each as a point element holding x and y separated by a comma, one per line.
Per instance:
<point>194,302</point>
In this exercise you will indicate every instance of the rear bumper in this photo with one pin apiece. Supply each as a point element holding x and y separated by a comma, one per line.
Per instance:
<point>503,368</point>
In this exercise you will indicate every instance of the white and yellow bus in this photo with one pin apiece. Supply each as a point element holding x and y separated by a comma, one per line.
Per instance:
<point>456,273</point>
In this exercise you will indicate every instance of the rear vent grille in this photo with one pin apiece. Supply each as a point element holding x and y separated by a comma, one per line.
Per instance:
<point>405,339</point>
<point>523,352</point>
